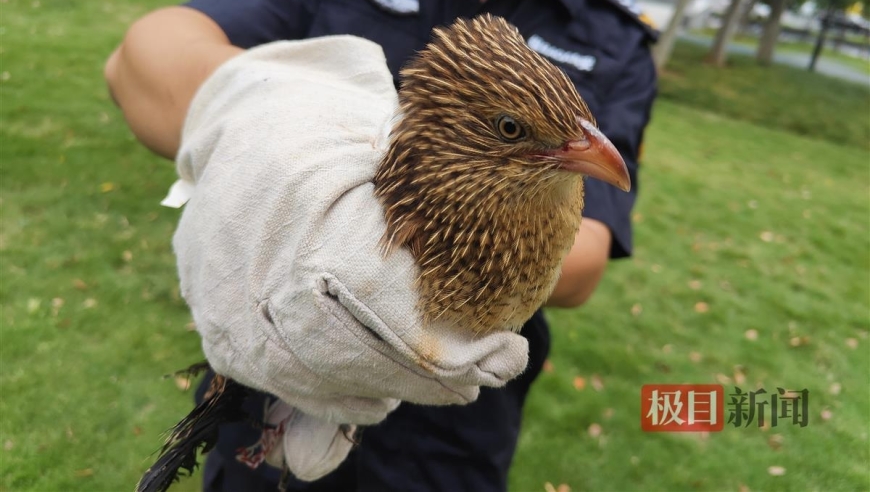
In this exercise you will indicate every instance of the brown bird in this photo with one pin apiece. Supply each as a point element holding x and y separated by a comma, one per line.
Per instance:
<point>482,181</point>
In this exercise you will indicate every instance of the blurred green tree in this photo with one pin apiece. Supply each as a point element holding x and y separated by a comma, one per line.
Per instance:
<point>832,9</point>
<point>770,32</point>
<point>730,21</point>
<point>665,45</point>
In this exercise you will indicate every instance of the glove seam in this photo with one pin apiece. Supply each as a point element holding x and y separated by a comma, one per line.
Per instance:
<point>330,304</point>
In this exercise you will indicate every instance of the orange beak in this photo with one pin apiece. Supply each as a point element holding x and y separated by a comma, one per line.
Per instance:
<point>593,155</point>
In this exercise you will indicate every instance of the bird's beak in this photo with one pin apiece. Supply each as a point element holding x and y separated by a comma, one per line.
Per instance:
<point>593,155</point>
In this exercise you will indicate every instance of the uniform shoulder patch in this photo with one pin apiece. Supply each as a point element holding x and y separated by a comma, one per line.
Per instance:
<point>583,63</point>
<point>399,7</point>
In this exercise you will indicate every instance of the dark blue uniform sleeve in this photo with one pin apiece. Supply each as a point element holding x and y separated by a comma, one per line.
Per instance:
<point>248,23</point>
<point>623,116</point>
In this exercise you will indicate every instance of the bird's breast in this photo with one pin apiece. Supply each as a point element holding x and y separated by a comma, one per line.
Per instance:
<point>490,266</point>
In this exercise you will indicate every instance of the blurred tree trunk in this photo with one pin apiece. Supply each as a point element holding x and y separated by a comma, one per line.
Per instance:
<point>719,51</point>
<point>838,39</point>
<point>820,41</point>
<point>746,16</point>
<point>767,43</point>
<point>665,45</point>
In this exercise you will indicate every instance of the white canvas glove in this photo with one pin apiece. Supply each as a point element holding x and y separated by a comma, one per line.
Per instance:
<point>278,248</point>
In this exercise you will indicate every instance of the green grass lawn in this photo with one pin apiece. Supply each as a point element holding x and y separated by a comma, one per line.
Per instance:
<point>778,96</point>
<point>750,219</point>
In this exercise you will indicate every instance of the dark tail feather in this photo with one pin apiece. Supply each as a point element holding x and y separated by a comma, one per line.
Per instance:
<point>199,430</point>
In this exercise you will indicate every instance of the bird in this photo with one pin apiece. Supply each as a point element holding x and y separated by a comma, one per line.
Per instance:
<point>482,181</point>
<point>483,177</point>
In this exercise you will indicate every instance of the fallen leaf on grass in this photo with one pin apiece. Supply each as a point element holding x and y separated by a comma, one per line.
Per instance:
<point>79,284</point>
<point>766,236</point>
<point>127,256</point>
<point>723,379</point>
<point>775,441</point>
<point>827,414</point>
<point>548,366</point>
<point>33,305</point>
<point>137,431</point>
<point>89,303</point>
<point>799,341</point>
<point>775,471</point>
<point>107,187</point>
<point>834,389</point>
<point>597,383</point>
<point>739,376</point>
<point>701,307</point>
<point>563,487</point>
<point>743,488</point>
<point>56,304</point>
<point>695,357</point>
<point>852,343</point>
<point>87,472</point>
<point>636,310</point>
<point>8,445</point>
<point>579,383</point>
<point>751,335</point>
<point>594,431</point>
<point>695,284</point>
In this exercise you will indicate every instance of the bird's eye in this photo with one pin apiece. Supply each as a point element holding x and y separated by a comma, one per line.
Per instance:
<point>509,128</point>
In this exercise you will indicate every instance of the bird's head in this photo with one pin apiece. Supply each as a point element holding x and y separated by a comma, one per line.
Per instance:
<point>477,100</point>
<point>485,165</point>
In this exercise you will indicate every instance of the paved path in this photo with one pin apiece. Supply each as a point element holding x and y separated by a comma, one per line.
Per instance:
<point>661,12</point>
<point>824,66</point>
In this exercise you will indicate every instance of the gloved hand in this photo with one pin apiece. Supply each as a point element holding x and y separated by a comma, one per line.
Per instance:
<point>278,247</point>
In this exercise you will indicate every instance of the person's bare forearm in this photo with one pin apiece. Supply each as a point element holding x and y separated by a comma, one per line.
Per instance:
<point>584,266</point>
<point>154,73</point>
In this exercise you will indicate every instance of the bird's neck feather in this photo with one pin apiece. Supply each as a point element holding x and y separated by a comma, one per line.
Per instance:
<point>501,235</point>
